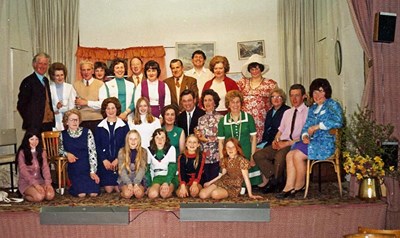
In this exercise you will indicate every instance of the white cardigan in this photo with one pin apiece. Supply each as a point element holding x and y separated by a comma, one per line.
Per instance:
<point>69,94</point>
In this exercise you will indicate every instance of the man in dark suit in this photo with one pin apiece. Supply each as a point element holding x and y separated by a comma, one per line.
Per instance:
<point>180,82</point>
<point>34,98</point>
<point>188,119</point>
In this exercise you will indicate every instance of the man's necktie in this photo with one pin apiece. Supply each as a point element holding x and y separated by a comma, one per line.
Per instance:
<point>293,122</point>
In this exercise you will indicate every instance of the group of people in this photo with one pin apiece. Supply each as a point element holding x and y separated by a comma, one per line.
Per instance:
<point>197,133</point>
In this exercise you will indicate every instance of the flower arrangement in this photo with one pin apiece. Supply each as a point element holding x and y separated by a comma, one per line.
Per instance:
<point>364,166</point>
<point>363,151</point>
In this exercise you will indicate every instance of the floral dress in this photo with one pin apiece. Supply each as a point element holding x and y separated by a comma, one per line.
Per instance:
<point>256,101</point>
<point>208,125</point>
<point>233,179</point>
<point>328,115</point>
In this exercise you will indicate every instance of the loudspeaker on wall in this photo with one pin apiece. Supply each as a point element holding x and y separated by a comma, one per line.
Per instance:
<point>385,27</point>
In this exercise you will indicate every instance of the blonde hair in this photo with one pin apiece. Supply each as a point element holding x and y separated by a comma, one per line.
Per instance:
<point>86,62</point>
<point>149,116</point>
<point>140,161</point>
<point>196,161</point>
<point>232,95</point>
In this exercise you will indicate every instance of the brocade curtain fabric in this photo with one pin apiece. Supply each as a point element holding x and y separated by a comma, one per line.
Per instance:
<point>156,53</point>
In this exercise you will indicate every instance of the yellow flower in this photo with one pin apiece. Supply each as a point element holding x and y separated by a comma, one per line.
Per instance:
<point>364,166</point>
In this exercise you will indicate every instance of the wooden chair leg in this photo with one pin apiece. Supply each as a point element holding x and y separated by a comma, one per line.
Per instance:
<point>307,178</point>
<point>339,179</point>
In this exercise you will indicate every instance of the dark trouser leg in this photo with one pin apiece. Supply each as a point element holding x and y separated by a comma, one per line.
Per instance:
<point>280,163</point>
<point>211,171</point>
<point>264,159</point>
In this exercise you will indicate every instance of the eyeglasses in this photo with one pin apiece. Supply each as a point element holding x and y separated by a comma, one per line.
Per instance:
<point>276,97</point>
<point>318,91</point>
<point>73,120</point>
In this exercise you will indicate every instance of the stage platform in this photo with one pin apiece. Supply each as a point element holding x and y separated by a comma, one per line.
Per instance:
<point>321,215</point>
<point>286,221</point>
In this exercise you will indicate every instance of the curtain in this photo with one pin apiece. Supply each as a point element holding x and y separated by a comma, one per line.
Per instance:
<point>156,53</point>
<point>54,30</point>
<point>362,18</point>
<point>381,92</point>
<point>296,41</point>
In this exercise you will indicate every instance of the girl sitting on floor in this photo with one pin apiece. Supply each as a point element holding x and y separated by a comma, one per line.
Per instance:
<point>161,166</point>
<point>234,170</point>
<point>132,162</point>
<point>34,172</point>
<point>190,168</point>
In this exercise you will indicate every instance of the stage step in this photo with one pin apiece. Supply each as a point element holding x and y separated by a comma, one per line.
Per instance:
<point>84,215</point>
<point>245,212</point>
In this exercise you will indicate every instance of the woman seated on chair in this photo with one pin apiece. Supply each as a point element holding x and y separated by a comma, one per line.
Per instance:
<point>34,172</point>
<point>317,143</point>
<point>78,146</point>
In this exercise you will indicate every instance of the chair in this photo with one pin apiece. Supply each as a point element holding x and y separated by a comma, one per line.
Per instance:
<point>334,160</point>
<point>50,140</point>
<point>369,235</point>
<point>8,137</point>
<point>377,231</point>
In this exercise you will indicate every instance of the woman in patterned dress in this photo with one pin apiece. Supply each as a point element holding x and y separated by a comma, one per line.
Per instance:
<point>240,125</point>
<point>206,131</point>
<point>317,143</point>
<point>256,91</point>
<point>78,146</point>
<point>234,173</point>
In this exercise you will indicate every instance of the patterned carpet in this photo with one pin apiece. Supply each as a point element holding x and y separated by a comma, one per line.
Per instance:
<point>329,196</point>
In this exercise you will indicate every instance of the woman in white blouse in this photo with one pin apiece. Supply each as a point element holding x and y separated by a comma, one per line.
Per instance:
<point>143,121</point>
<point>155,90</point>
<point>62,93</point>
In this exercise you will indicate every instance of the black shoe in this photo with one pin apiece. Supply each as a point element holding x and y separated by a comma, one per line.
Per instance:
<point>288,194</point>
<point>300,191</point>
<point>269,188</point>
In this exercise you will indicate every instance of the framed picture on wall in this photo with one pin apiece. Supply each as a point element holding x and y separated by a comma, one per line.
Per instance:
<point>184,52</point>
<point>248,48</point>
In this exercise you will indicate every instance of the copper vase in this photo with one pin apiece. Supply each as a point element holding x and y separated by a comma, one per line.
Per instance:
<point>370,189</point>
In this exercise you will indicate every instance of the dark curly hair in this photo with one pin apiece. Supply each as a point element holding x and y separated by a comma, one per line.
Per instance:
<point>105,103</point>
<point>211,92</point>
<point>323,83</point>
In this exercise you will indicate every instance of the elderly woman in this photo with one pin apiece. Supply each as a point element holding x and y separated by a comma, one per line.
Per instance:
<point>175,134</point>
<point>152,88</point>
<point>221,84</point>
<point>62,93</point>
<point>120,88</point>
<point>110,137</point>
<point>240,125</point>
<point>317,143</point>
<point>256,91</point>
<point>78,146</point>
<point>207,133</point>
<point>100,71</point>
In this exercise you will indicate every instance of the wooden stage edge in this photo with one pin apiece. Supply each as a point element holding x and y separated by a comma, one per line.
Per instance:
<point>285,221</point>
